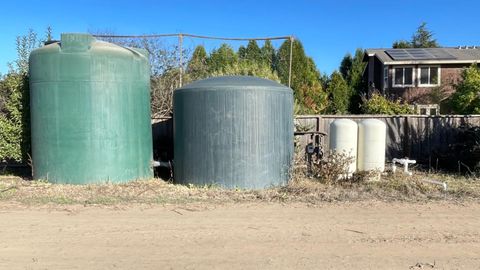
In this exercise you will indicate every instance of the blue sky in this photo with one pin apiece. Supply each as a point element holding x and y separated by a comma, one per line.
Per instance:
<point>328,29</point>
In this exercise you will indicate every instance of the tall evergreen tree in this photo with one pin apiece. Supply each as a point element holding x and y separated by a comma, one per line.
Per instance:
<point>253,52</point>
<point>197,66</point>
<point>354,78</point>
<point>401,44</point>
<point>305,77</point>
<point>355,82</point>
<point>242,52</point>
<point>346,65</point>
<point>221,58</point>
<point>422,38</point>
<point>338,92</point>
<point>268,54</point>
<point>351,69</point>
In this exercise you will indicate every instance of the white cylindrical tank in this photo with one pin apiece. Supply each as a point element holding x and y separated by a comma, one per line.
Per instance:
<point>343,140</point>
<point>372,135</point>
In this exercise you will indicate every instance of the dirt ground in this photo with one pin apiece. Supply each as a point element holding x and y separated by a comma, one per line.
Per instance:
<point>359,235</point>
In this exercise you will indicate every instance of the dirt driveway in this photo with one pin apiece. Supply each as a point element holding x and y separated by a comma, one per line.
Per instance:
<point>366,235</point>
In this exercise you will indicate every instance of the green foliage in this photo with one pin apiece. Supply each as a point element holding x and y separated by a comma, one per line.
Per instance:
<point>354,78</point>
<point>248,68</point>
<point>466,99</point>
<point>422,38</point>
<point>268,55</point>
<point>221,58</point>
<point>14,102</point>
<point>197,66</point>
<point>24,45</point>
<point>305,82</point>
<point>339,93</point>
<point>401,44</point>
<point>351,69</point>
<point>14,118</point>
<point>224,61</point>
<point>346,65</point>
<point>355,81</point>
<point>378,104</point>
<point>324,79</point>
<point>253,52</point>
<point>265,62</point>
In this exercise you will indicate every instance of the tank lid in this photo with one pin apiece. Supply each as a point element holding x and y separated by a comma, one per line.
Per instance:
<point>76,42</point>
<point>233,81</point>
<point>48,42</point>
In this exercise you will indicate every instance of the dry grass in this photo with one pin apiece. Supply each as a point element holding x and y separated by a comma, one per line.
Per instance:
<point>300,189</point>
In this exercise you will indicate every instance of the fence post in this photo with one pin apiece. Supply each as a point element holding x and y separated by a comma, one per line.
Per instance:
<point>406,136</point>
<point>429,137</point>
<point>180,47</point>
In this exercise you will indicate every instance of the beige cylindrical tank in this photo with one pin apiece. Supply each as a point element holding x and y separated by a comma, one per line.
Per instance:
<point>371,145</point>
<point>343,140</point>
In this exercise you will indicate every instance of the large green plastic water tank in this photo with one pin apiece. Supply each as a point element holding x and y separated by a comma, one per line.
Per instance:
<point>235,132</point>
<point>90,112</point>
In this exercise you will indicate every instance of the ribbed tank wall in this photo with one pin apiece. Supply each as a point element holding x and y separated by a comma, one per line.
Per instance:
<point>371,145</point>
<point>90,112</point>
<point>235,132</point>
<point>343,141</point>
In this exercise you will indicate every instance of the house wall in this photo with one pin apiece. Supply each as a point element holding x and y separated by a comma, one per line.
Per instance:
<point>449,76</point>
<point>378,74</point>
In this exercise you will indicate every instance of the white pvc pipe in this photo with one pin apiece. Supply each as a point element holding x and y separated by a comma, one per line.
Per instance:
<point>403,161</point>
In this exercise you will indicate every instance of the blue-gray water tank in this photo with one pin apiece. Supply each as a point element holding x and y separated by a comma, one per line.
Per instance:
<point>234,132</point>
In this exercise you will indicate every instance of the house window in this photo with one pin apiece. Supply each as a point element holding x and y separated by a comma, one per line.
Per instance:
<point>429,76</point>
<point>403,76</point>
<point>385,77</point>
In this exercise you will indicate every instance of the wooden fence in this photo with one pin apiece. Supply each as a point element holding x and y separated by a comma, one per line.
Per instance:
<point>428,139</point>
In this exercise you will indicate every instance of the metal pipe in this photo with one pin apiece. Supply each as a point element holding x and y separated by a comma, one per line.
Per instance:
<point>443,184</point>
<point>191,35</point>
<point>290,62</point>
<point>180,47</point>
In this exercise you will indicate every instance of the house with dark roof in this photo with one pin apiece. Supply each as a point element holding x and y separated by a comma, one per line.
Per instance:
<point>413,74</point>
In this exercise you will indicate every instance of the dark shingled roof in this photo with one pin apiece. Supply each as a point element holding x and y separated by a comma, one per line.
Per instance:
<point>458,55</point>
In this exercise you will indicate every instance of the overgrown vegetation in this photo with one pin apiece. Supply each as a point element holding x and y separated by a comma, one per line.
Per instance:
<point>378,104</point>
<point>397,187</point>
<point>333,168</point>
<point>339,94</point>
<point>352,69</point>
<point>14,118</point>
<point>14,102</point>
<point>466,151</point>
<point>466,99</point>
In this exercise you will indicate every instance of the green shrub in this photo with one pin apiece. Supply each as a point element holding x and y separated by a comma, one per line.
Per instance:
<point>466,99</point>
<point>15,102</point>
<point>378,104</point>
<point>14,118</point>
